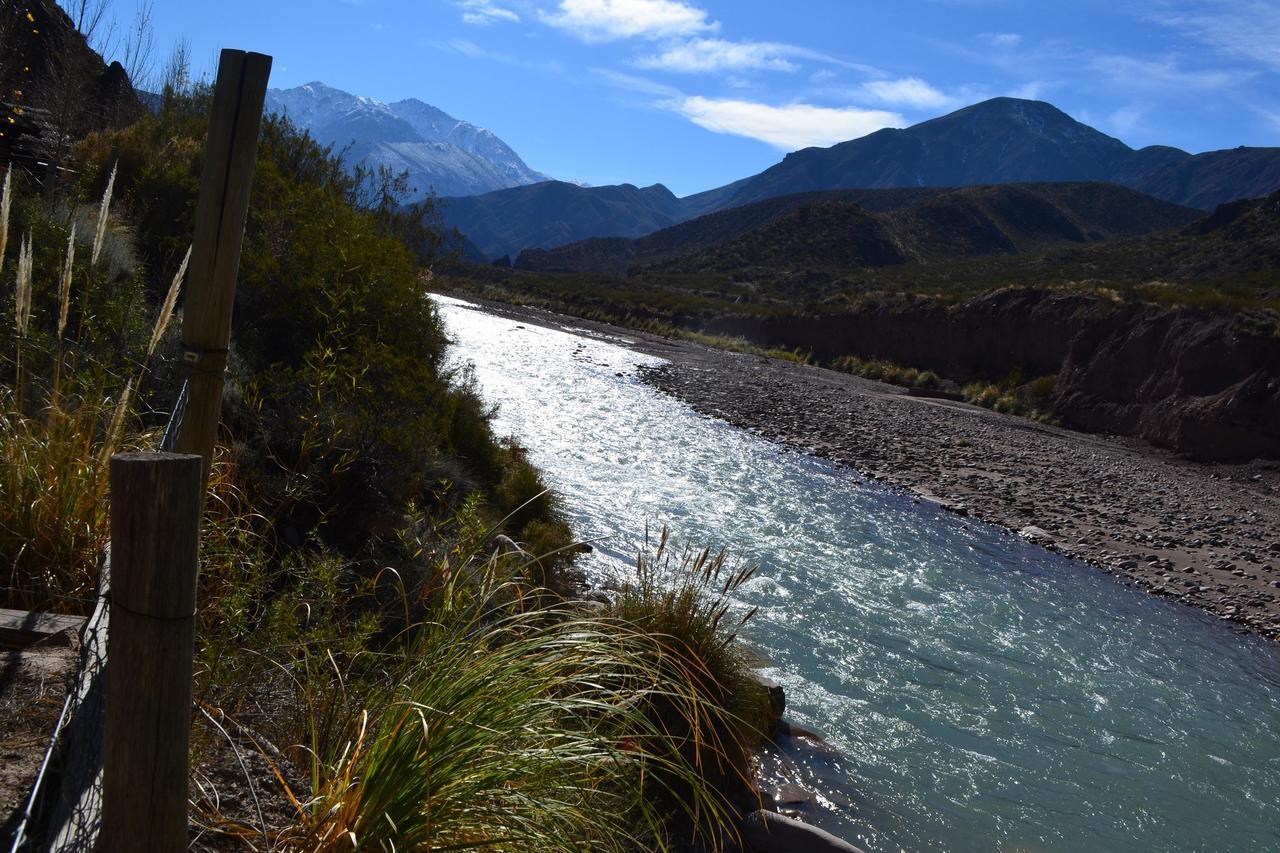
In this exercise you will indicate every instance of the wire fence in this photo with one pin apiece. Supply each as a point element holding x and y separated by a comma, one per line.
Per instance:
<point>64,810</point>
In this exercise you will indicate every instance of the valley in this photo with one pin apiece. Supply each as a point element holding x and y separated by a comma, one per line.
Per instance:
<point>877,454</point>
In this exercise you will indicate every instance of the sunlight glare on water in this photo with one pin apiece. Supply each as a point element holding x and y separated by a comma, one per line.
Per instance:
<point>984,694</point>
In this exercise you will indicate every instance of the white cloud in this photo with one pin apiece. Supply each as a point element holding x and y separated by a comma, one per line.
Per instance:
<point>1125,120</point>
<point>612,20</point>
<point>909,92</point>
<point>787,127</point>
<point>1271,117</point>
<point>1031,90</point>
<point>1136,73</point>
<point>1005,41</point>
<point>1249,29</point>
<point>705,55</point>
<point>485,12</point>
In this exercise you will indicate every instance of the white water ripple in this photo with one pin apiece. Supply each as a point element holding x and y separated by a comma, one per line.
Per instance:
<point>986,694</point>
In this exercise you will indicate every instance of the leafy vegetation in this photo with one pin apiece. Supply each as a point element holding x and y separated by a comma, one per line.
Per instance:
<point>1012,396</point>
<point>70,370</point>
<point>882,370</point>
<point>426,686</point>
<point>333,333</point>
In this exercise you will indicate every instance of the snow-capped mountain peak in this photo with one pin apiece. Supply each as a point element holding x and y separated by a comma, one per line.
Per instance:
<point>442,154</point>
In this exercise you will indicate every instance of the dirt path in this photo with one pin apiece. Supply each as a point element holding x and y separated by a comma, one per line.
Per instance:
<point>1208,535</point>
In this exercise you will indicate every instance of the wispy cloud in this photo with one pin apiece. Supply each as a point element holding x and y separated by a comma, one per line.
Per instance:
<point>1270,117</point>
<point>466,47</point>
<point>485,12</point>
<point>1134,73</point>
<point>632,83</point>
<point>1125,120</point>
<point>787,127</point>
<point>911,92</point>
<point>1247,29</point>
<point>1031,90</point>
<point>614,20</point>
<point>709,55</point>
<point>1004,41</point>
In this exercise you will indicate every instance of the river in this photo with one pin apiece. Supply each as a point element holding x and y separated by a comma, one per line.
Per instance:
<point>983,694</point>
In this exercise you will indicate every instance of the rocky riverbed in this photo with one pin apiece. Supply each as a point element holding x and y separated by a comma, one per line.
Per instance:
<point>1207,535</point>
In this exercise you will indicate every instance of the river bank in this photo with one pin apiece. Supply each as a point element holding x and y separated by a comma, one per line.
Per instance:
<point>1206,535</point>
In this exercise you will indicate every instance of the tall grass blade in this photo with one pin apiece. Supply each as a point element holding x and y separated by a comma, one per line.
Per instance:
<point>64,288</point>
<point>112,439</point>
<point>22,296</point>
<point>103,210</point>
<point>170,300</point>
<point>4,215</point>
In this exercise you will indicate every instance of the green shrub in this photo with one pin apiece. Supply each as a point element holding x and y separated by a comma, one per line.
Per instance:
<point>928,379</point>
<point>332,332</point>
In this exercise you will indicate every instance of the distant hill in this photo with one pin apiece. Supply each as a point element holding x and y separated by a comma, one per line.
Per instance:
<point>1003,140</point>
<point>879,227</point>
<point>554,213</point>
<point>1007,140</point>
<point>441,154</point>
<point>1240,236</point>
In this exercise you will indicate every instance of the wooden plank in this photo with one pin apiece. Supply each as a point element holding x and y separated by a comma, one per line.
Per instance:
<point>155,541</point>
<point>21,628</point>
<point>230,155</point>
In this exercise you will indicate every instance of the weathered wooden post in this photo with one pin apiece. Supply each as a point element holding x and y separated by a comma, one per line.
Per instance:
<point>230,152</point>
<point>156,500</point>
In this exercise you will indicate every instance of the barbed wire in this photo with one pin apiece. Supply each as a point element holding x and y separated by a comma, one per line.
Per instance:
<point>68,820</point>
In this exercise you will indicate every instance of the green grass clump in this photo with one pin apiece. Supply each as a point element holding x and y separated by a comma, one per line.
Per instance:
<point>1012,396</point>
<point>499,718</point>
<point>882,370</point>
<point>717,712</point>
<point>510,730</point>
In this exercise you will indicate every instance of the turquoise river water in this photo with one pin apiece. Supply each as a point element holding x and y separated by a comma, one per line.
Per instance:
<point>983,694</point>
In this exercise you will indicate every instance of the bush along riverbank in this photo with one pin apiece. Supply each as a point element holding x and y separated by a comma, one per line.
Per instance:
<point>389,653</point>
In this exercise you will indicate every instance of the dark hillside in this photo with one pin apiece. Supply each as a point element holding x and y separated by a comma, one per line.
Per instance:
<point>924,224</point>
<point>1209,179</point>
<point>838,233</point>
<point>617,254</point>
<point>554,213</point>
<point>53,87</point>
<point>998,141</point>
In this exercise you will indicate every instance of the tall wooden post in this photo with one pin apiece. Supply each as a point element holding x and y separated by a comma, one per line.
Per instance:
<point>230,152</point>
<point>156,501</point>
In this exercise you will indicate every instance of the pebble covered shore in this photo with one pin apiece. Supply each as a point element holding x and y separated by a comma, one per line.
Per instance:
<point>1207,535</point>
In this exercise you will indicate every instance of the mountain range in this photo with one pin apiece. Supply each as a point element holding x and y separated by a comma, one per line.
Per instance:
<point>441,154</point>
<point>1002,140</point>
<point>878,227</point>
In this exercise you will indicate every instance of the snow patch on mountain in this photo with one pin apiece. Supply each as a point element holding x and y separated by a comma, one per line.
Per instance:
<point>441,153</point>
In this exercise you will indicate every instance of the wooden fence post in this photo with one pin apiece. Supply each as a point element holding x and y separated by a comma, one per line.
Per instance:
<point>230,153</point>
<point>156,501</point>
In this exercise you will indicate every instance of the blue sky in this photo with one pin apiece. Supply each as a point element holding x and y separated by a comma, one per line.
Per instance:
<point>697,93</point>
